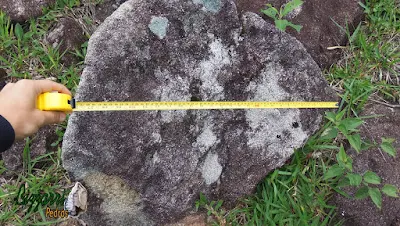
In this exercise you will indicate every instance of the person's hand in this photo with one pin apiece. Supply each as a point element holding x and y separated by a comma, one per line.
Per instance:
<point>18,106</point>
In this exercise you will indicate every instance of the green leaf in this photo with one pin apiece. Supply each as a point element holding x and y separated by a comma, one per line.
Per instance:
<point>361,193</point>
<point>281,24</point>
<point>334,171</point>
<point>388,140</point>
<point>355,141</point>
<point>19,32</point>
<point>341,156</point>
<point>203,198</point>
<point>349,164</point>
<point>271,11</point>
<point>219,204</point>
<point>355,33</point>
<point>329,133</point>
<point>344,182</point>
<point>330,116</point>
<point>388,147</point>
<point>342,129</point>
<point>212,203</point>
<point>376,196</point>
<point>295,26</point>
<point>351,123</point>
<point>343,159</point>
<point>290,6</point>
<point>355,179</point>
<point>371,178</point>
<point>390,190</point>
<point>340,115</point>
<point>341,192</point>
<point>324,146</point>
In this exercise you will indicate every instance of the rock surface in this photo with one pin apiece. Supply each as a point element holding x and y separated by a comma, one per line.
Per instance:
<point>22,10</point>
<point>148,167</point>
<point>316,16</point>
<point>68,35</point>
<point>106,8</point>
<point>364,212</point>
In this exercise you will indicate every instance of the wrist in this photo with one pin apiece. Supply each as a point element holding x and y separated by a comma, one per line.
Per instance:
<point>7,132</point>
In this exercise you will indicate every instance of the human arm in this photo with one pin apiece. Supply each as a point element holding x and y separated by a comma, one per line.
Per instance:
<point>18,108</point>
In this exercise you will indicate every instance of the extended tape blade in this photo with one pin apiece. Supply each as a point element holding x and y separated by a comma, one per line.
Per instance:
<point>195,105</point>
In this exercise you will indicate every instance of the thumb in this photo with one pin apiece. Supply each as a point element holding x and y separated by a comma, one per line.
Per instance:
<point>52,117</point>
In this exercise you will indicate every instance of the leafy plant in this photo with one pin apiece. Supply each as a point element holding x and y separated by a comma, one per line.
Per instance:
<point>279,15</point>
<point>342,171</point>
<point>213,209</point>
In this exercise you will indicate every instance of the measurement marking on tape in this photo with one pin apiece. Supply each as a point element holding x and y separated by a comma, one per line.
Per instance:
<point>195,105</point>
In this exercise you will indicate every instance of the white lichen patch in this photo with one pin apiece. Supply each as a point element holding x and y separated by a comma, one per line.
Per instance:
<point>206,139</point>
<point>173,88</point>
<point>213,6</point>
<point>267,125</point>
<point>209,70</point>
<point>111,86</point>
<point>211,170</point>
<point>156,137</point>
<point>267,88</point>
<point>156,158</point>
<point>158,25</point>
<point>120,202</point>
<point>19,7</point>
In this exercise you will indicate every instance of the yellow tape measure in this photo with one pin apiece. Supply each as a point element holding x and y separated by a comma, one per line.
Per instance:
<point>64,102</point>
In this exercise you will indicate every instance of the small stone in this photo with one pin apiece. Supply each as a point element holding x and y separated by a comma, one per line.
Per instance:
<point>23,10</point>
<point>68,35</point>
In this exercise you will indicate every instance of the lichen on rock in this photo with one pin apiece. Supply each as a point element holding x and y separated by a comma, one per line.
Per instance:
<point>158,25</point>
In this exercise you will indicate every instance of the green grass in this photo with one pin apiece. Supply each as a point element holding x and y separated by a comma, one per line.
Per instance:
<point>25,54</point>
<point>37,180</point>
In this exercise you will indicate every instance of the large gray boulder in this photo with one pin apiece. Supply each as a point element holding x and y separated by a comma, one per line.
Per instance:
<point>148,167</point>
